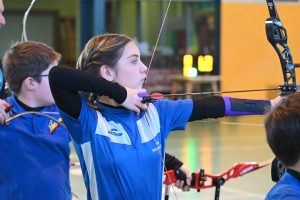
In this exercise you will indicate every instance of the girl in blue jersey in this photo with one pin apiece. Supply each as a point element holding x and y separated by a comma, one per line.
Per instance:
<point>120,147</point>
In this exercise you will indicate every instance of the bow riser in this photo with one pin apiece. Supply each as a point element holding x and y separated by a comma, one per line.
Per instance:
<point>277,36</point>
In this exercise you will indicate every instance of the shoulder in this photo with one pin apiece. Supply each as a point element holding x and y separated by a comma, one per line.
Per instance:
<point>11,100</point>
<point>52,107</point>
<point>286,188</point>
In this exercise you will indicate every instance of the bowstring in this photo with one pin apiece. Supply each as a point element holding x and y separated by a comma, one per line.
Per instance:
<point>157,40</point>
<point>153,53</point>
<point>161,157</point>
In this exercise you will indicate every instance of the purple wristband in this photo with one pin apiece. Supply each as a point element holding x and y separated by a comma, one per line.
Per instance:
<point>229,112</point>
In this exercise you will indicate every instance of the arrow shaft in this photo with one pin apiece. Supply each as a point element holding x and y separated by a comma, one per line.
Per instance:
<point>231,91</point>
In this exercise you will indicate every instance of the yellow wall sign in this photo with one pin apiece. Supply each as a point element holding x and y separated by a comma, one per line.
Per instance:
<point>187,64</point>
<point>205,64</point>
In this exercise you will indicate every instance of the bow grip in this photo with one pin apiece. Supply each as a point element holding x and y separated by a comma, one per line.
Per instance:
<point>180,175</point>
<point>173,175</point>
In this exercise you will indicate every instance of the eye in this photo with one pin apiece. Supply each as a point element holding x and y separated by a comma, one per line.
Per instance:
<point>134,61</point>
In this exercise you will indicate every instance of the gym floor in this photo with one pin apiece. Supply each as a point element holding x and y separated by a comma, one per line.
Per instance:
<point>214,145</point>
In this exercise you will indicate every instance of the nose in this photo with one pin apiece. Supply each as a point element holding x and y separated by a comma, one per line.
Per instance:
<point>2,20</point>
<point>143,68</point>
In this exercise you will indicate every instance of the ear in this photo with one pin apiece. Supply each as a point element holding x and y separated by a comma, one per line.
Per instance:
<point>29,83</point>
<point>107,73</point>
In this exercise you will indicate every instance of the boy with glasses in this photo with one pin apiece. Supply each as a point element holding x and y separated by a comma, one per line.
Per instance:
<point>34,149</point>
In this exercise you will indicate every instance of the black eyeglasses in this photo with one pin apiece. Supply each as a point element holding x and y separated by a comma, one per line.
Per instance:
<point>41,75</point>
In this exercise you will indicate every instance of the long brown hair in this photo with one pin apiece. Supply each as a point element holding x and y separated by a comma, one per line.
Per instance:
<point>101,50</point>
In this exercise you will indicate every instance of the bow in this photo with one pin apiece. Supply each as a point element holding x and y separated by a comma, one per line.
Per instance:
<point>277,36</point>
<point>9,108</point>
<point>33,112</point>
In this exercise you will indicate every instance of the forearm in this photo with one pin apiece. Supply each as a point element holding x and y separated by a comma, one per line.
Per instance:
<point>66,82</point>
<point>236,107</point>
<point>217,106</point>
<point>171,162</point>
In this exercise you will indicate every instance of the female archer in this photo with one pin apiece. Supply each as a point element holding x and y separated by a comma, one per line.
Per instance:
<point>119,140</point>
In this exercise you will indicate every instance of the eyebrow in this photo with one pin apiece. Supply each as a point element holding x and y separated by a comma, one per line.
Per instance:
<point>133,55</point>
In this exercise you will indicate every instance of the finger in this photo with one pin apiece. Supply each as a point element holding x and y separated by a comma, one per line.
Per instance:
<point>188,180</point>
<point>136,109</point>
<point>3,114</point>
<point>177,184</point>
<point>141,105</point>
<point>185,188</point>
<point>181,184</point>
<point>1,119</point>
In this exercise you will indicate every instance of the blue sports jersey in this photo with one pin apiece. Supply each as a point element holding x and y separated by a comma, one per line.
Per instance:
<point>288,187</point>
<point>34,164</point>
<point>120,154</point>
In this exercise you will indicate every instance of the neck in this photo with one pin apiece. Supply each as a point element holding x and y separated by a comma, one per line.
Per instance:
<point>107,100</point>
<point>296,167</point>
<point>28,100</point>
<point>28,108</point>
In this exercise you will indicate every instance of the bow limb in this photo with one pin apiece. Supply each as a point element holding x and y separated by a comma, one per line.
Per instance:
<point>37,113</point>
<point>24,35</point>
<point>200,180</point>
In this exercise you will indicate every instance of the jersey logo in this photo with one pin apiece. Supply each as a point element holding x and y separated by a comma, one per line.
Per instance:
<point>114,132</point>
<point>53,125</point>
<point>157,148</point>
